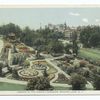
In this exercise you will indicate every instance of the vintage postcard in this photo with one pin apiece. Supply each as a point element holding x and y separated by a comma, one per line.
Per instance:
<point>49,50</point>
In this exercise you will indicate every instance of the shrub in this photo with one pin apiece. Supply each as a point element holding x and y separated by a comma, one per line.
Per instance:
<point>83,63</point>
<point>90,66</point>
<point>39,83</point>
<point>78,82</point>
<point>97,82</point>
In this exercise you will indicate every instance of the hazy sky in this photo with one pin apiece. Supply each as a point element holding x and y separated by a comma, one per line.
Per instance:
<point>32,17</point>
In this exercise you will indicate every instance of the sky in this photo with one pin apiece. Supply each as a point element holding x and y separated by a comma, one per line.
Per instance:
<point>32,17</point>
<point>49,1</point>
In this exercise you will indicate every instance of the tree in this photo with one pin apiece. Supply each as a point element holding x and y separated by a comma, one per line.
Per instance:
<point>31,84</point>
<point>95,40</point>
<point>90,36</point>
<point>14,60</point>
<point>1,66</point>
<point>78,82</point>
<point>14,49</point>
<point>10,28</point>
<point>26,63</point>
<point>27,36</point>
<point>70,70</point>
<point>74,41</point>
<point>68,48</point>
<point>85,35</point>
<point>57,47</point>
<point>39,83</point>
<point>45,74</point>
<point>15,74</point>
<point>75,48</point>
<point>56,35</point>
<point>97,82</point>
<point>39,42</point>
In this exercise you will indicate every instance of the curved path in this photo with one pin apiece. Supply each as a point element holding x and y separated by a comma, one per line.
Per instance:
<point>48,59</point>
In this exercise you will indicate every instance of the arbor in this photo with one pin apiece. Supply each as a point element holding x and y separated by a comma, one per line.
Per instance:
<point>39,83</point>
<point>78,82</point>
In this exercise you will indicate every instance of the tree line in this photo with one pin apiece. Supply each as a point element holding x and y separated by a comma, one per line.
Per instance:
<point>40,39</point>
<point>90,36</point>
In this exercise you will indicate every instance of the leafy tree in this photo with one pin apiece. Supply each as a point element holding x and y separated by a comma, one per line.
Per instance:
<point>95,40</point>
<point>68,47</point>
<point>70,70</point>
<point>14,49</point>
<point>57,47</point>
<point>28,36</point>
<point>14,60</point>
<point>31,84</point>
<point>39,45</point>
<point>39,42</point>
<point>75,48</point>
<point>45,74</point>
<point>39,83</point>
<point>85,35</point>
<point>78,82</point>
<point>90,36</point>
<point>1,66</point>
<point>26,63</point>
<point>74,41</point>
<point>10,28</point>
<point>97,82</point>
<point>15,74</point>
<point>56,35</point>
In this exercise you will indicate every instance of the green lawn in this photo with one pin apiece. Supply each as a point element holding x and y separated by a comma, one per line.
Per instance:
<point>11,87</point>
<point>93,54</point>
<point>17,87</point>
<point>62,88</point>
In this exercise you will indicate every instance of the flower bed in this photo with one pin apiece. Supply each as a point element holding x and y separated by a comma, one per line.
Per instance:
<point>62,79</point>
<point>26,74</point>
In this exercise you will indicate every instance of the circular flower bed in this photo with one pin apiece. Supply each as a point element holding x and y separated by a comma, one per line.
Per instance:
<point>27,73</point>
<point>40,65</point>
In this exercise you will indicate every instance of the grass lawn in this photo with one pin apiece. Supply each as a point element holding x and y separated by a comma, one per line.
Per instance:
<point>51,69</point>
<point>11,87</point>
<point>17,87</point>
<point>88,53</point>
<point>62,88</point>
